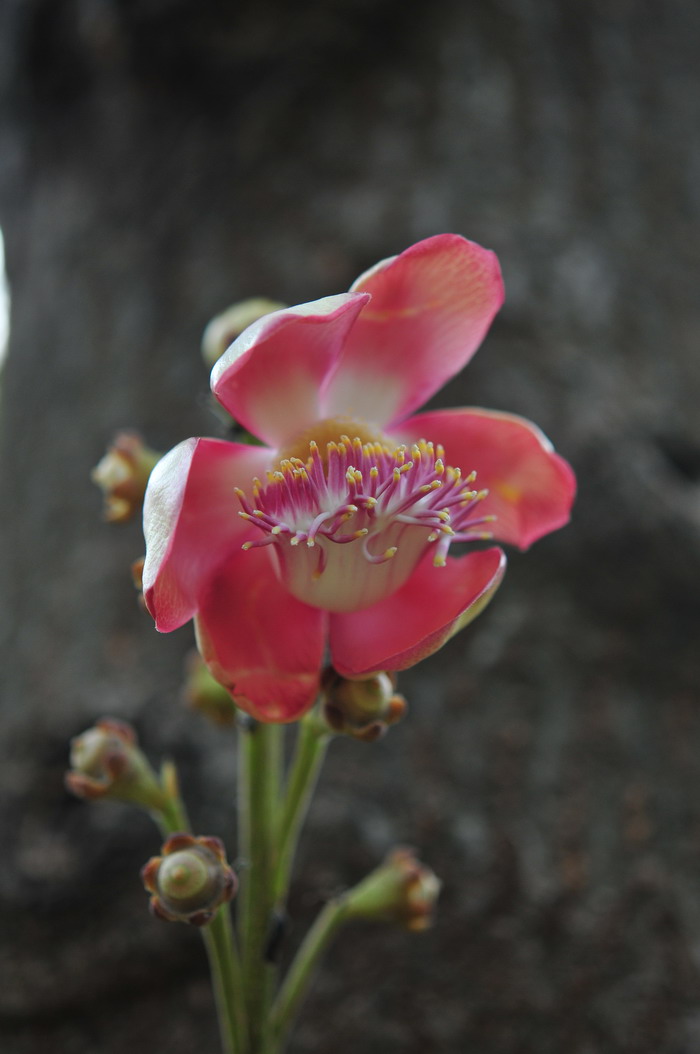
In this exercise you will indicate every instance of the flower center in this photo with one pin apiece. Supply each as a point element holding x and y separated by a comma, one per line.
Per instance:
<point>328,431</point>
<point>350,526</point>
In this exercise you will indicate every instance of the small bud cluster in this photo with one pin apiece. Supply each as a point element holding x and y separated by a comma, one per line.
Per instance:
<point>122,476</point>
<point>190,880</point>
<point>106,762</point>
<point>362,708</point>
<point>402,890</point>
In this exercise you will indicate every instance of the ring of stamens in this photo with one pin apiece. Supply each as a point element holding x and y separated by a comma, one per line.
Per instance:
<point>357,491</point>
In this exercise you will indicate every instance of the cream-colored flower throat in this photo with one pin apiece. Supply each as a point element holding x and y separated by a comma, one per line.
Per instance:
<point>350,521</point>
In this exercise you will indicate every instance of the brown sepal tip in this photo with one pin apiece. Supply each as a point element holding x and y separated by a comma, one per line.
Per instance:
<point>177,841</point>
<point>149,873</point>
<point>85,787</point>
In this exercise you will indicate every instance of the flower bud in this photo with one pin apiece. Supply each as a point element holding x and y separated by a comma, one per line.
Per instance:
<point>224,328</point>
<point>190,880</point>
<point>107,763</point>
<point>401,890</point>
<point>361,708</point>
<point>122,475</point>
<point>206,695</point>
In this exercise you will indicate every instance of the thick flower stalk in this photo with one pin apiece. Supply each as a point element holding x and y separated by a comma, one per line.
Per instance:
<point>334,535</point>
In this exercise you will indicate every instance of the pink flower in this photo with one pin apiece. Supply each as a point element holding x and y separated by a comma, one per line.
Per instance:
<point>335,534</point>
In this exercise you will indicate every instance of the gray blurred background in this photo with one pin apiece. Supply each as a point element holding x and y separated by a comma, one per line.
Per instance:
<point>160,159</point>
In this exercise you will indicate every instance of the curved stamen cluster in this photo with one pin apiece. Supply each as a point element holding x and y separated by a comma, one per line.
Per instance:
<point>358,492</point>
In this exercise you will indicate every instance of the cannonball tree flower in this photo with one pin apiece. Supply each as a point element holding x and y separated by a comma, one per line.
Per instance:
<point>333,537</point>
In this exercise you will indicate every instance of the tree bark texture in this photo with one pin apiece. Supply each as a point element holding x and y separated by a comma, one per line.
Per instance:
<point>161,160</point>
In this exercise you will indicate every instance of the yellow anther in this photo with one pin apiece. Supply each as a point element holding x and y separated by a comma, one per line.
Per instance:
<point>260,515</point>
<point>439,466</point>
<point>373,472</point>
<point>276,529</point>
<point>247,546</point>
<point>439,560</point>
<point>392,551</point>
<point>471,477</point>
<point>361,532</point>
<point>481,495</point>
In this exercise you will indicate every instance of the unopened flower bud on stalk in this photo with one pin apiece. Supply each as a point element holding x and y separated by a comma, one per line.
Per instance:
<point>206,695</point>
<point>224,328</point>
<point>190,880</point>
<point>122,476</point>
<point>361,707</point>
<point>106,762</point>
<point>402,890</point>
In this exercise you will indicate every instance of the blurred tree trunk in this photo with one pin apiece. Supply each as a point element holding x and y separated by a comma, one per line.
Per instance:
<point>161,160</point>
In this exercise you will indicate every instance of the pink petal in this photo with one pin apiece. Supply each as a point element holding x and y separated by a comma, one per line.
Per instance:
<point>191,521</point>
<point>531,488</point>
<point>430,309</point>
<point>260,642</point>
<point>270,377</point>
<point>419,618</point>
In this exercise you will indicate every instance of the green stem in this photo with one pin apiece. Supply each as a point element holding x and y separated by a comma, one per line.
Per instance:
<point>227,981</point>
<point>301,971</point>
<point>310,750</point>
<point>224,961</point>
<point>258,803</point>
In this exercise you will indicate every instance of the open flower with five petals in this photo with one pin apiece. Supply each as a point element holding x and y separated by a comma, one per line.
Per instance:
<point>333,536</point>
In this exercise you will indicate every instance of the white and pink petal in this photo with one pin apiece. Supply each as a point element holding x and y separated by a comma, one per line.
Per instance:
<point>191,522</point>
<point>419,618</point>
<point>431,307</point>
<point>261,643</point>
<point>531,488</point>
<point>271,377</point>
